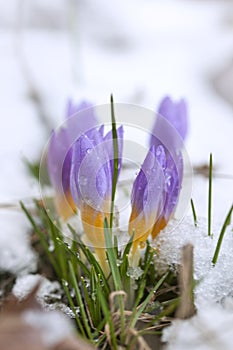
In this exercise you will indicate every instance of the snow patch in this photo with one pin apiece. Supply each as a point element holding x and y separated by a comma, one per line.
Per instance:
<point>53,326</point>
<point>214,282</point>
<point>24,285</point>
<point>210,329</point>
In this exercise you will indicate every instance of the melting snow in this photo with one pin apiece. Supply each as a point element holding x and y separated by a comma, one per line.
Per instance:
<point>214,282</point>
<point>210,329</point>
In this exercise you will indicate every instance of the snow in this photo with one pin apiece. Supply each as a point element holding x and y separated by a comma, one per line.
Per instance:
<point>213,296</point>
<point>16,254</point>
<point>53,326</point>
<point>210,329</point>
<point>214,282</point>
<point>25,284</point>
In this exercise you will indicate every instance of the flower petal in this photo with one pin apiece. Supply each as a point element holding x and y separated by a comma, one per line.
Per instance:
<point>147,195</point>
<point>109,148</point>
<point>174,113</point>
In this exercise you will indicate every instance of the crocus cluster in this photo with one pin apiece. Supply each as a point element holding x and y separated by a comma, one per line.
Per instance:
<point>81,167</point>
<point>60,154</point>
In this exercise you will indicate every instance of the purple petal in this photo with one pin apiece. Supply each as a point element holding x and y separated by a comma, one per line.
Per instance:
<point>76,108</point>
<point>81,147</point>
<point>176,114</point>
<point>148,188</point>
<point>81,120</point>
<point>173,176</point>
<point>59,160</point>
<point>90,181</point>
<point>60,145</point>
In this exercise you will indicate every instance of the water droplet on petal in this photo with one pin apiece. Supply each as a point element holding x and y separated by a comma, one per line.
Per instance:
<point>83,181</point>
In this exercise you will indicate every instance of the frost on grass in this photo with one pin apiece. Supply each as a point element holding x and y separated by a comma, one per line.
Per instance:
<point>214,283</point>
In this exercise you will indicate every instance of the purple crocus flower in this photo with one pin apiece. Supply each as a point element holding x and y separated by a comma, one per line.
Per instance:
<point>170,129</point>
<point>154,196</point>
<point>91,183</point>
<point>176,114</point>
<point>79,118</point>
<point>150,214</point>
<point>173,174</point>
<point>147,198</point>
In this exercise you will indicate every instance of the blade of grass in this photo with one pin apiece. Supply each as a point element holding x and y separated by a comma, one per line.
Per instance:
<point>88,299</point>
<point>115,161</point>
<point>138,311</point>
<point>194,213</point>
<point>112,258</point>
<point>75,259</point>
<point>223,230</point>
<point>108,318</point>
<point>140,292</point>
<point>80,326</point>
<point>92,261</point>
<point>210,195</point>
<point>42,239</point>
<point>80,301</point>
<point>60,253</point>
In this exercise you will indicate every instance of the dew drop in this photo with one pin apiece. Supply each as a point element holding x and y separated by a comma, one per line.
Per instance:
<point>134,272</point>
<point>83,180</point>
<point>66,284</point>
<point>119,262</point>
<point>51,246</point>
<point>142,245</point>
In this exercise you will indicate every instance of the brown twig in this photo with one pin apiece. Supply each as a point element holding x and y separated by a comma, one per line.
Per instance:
<point>186,307</point>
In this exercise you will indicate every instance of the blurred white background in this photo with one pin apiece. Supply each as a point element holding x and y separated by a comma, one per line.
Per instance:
<point>137,49</point>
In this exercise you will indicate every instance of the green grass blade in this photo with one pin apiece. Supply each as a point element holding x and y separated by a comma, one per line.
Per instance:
<point>59,251</point>
<point>75,258</point>
<point>80,301</point>
<point>210,195</point>
<point>194,213</point>
<point>77,318</point>
<point>108,318</point>
<point>138,311</point>
<point>116,160</point>
<point>223,230</point>
<point>112,258</point>
<point>42,238</point>
<point>92,260</point>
